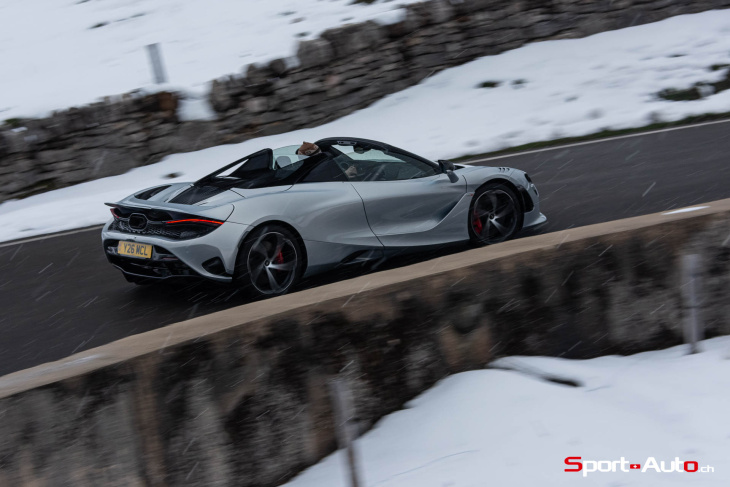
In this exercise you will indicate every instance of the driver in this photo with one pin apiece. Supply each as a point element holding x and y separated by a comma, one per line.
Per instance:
<point>351,172</point>
<point>310,149</point>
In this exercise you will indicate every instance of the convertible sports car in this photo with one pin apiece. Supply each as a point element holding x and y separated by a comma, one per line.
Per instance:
<point>273,217</point>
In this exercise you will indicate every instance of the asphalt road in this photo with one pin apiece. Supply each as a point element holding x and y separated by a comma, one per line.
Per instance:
<point>58,295</point>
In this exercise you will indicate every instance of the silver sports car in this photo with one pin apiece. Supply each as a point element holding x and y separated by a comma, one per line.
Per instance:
<point>275,216</point>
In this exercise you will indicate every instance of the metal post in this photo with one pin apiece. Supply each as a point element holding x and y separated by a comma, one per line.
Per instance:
<point>156,61</point>
<point>344,425</point>
<point>693,330</point>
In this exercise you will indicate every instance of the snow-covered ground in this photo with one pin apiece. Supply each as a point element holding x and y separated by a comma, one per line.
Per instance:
<point>505,428</point>
<point>61,53</point>
<point>548,90</point>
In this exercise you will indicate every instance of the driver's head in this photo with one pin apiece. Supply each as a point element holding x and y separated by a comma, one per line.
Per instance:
<point>308,149</point>
<point>351,172</point>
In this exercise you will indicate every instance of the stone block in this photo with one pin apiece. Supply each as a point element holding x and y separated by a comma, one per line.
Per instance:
<point>315,52</point>
<point>353,39</point>
<point>257,105</point>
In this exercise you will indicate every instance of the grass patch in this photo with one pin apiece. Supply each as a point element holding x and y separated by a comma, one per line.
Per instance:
<point>100,24</point>
<point>603,134</point>
<point>699,90</point>
<point>672,94</point>
<point>489,84</point>
<point>718,67</point>
<point>14,123</point>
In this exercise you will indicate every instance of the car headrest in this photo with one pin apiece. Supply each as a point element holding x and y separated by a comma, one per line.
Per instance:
<point>283,161</point>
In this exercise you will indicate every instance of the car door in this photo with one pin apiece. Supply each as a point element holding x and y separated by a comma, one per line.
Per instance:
<point>405,199</point>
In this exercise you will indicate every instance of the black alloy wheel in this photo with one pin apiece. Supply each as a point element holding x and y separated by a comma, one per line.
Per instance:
<point>270,261</point>
<point>495,214</point>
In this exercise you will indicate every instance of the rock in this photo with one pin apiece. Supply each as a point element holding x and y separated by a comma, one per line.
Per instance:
<point>16,141</point>
<point>53,156</point>
<point>102,162</point>
<point>168,102</point>
<point>193,136</point>
<point>353,39</point>
<point>259,80</point>
<point>4,146</point>
<point>471,6</point>
<point>277,67</point>
<point>546,29</point>
<point>161,145</point>
<point>593,25</point>
<point>219,97</point>
<point>429,12</point>
<point>58,168</point>
<point>315,52</point>
<point>329,82</point>
<point>402,28</point>
<point>275,128</point>
<point>257,105</point>
<point>256,74</point>
<point>136,138</point>
<point>68,178</point>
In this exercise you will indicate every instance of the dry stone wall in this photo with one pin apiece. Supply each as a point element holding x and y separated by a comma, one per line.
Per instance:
<point>345,69</point>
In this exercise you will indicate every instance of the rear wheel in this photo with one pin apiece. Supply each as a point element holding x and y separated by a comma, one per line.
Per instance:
<point>270,261</point>
<point>495,214</point>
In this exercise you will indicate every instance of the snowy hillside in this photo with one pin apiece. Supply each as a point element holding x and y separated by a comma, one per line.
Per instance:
<point>508,428</point>
<point>61,53</point>
<point>544,91</point>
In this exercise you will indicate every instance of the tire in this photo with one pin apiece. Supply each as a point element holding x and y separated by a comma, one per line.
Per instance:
<point>269,262</point>
<point>495,214</point>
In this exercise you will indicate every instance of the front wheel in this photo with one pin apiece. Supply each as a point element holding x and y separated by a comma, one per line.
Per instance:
<point>270,261</point>
<point>495,214</point>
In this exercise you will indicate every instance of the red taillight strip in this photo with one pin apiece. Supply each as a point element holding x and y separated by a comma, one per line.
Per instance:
<point>114,214</point>
<point>195,220</point>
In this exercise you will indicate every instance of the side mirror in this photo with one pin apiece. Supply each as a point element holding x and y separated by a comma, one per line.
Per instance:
<point>447,167</point>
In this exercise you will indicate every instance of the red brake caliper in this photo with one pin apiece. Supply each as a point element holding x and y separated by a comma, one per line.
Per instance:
<point>279,258</point>
<point>476,223</point>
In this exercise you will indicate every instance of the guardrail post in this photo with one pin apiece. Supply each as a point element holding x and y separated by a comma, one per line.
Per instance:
<point>156,60</point>
<point>345,426</point>
<point>693,329</point>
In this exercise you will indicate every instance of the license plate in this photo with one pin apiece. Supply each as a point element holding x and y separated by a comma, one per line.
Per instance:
<point>133,249</point>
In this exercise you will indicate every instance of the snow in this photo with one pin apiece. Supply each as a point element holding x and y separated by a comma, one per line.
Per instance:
<point>500,428</point>
<point>61,53</point>
<point>568,88</point>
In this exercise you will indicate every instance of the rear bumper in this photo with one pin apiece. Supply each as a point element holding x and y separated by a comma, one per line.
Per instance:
<point>212,256</point>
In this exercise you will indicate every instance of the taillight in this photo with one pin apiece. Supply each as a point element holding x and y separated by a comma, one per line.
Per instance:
<point>195,220</point>
<point>192,227</point>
